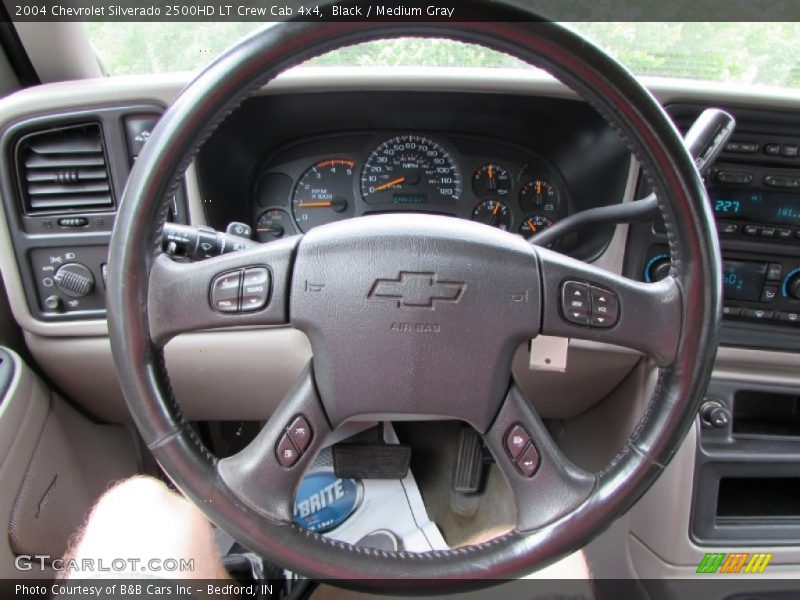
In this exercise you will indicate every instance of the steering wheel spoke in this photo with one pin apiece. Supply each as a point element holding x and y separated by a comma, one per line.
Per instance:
<point>249,287</point>
<point>587,302</point>
<point>267,472</point>
<point>545,483</point>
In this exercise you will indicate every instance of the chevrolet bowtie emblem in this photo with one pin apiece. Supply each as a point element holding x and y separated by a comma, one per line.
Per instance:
<point>417,290</point>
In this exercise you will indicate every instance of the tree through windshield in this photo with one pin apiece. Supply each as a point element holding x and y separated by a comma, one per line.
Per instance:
<point>745,53</point>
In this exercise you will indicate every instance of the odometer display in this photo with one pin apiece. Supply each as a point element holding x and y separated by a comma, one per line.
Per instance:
<point>410,169</point>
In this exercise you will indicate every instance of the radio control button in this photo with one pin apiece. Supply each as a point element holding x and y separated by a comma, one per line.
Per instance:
<point>772,149</point>
<point>784,233</point>
<point>733,177</point>
<point>575,302</point>
<point>768,231</point>
<point>789,150</point>
<point>742,147</point>
<point>788,317</point>
<point>727,228</point>
<point>759,314</point>
<point>731,311</point>
<point>782,182</point>
<point>751,229</point>
<point>605,307</point>
<point>774,272</point>
<point>768,294</point>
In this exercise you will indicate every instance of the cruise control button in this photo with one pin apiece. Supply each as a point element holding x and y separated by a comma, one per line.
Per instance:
<point>300,433</point>
<point>285,451</point>
<point>255,288</point>
<point>225,292</point>
<point>516,440</point>
<point>605,307</point>
<point>528,462</point>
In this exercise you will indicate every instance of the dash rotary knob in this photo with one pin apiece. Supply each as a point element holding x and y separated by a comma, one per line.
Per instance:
<point>74,279</point>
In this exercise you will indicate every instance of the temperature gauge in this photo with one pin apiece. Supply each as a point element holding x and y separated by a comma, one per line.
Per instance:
<point>494,213</point>
<point>274,224</point>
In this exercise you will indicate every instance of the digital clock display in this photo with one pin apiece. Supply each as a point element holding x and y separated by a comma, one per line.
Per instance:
<point>757,206</point>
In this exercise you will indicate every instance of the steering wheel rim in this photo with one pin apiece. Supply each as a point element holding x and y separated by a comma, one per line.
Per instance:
<point>139,278</point>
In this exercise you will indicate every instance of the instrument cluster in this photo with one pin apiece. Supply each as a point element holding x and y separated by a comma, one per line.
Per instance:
<point>315,182</point>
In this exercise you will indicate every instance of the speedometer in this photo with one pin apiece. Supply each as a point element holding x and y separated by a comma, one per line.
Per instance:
<point>410,169</point>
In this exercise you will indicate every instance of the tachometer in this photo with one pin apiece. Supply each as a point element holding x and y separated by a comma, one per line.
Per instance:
<point>410,169</point>
<point>324,193</point>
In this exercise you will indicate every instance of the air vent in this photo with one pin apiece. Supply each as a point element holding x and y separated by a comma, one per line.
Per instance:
<point>64,169</point>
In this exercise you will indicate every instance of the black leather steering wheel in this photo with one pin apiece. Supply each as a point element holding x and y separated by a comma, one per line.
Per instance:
<point>361,288</point>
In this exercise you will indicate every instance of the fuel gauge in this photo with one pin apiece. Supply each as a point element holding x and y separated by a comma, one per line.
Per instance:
<point>494,213</point>
<point>274,224</point>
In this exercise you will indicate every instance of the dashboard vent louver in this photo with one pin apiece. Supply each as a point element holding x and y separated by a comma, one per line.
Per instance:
<point>64,169</point>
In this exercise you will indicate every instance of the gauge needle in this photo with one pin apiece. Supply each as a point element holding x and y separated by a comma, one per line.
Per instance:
<point>325,204</point>
<point>389,184</point>
<point>496,209</point>
<point>532,226</point>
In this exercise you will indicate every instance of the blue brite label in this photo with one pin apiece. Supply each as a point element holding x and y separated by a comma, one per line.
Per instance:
<point>325,501</point>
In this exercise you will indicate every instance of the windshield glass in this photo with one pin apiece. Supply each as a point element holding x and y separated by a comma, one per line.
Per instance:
<point>742,53</point>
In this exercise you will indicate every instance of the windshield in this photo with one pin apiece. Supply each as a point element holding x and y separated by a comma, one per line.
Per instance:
<point>741,53</point>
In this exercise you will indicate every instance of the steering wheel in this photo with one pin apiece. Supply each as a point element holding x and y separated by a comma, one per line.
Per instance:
<point>414,316</point>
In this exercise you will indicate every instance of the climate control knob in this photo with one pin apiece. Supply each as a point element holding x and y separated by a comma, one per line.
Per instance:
<point>74,279</point>
<point>793,286</point>
<point>657,268</point>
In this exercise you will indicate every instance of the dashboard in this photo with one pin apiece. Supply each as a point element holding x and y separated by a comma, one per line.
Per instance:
<point>286,163</point>
<point>754,192</point>
<point>318,181</point>
<point>462,147</point>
